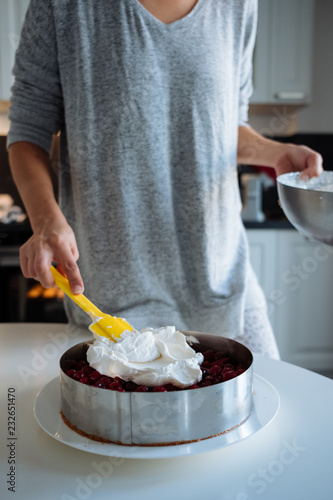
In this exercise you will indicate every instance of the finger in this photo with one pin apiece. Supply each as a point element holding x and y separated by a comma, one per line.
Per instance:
<point>42,268</point>
<point>69,268</point>
<point>24,263</point>
<point>74,251</point>
<point>31,269</point>
<point>314,166</point>
<point>74,277</point>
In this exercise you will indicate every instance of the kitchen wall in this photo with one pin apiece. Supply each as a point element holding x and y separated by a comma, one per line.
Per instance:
<point>318,116</point>
<point>315,118</point>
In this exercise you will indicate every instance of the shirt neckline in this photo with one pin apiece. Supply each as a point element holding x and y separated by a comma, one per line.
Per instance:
<point>176,23</point>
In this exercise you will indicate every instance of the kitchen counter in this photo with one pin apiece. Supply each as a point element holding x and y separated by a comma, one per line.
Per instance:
<point>290,458</point>
<point>269,224</point>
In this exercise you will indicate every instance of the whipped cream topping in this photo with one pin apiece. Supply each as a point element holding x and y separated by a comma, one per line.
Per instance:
<point>151,357</point>
<point>322,183</point>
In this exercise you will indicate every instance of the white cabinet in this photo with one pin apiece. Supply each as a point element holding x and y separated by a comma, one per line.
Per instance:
<point>283,52</point>
<point>297,278</point>
<point>305,315</point>
<point>263,257</point>
<point>12,14</point>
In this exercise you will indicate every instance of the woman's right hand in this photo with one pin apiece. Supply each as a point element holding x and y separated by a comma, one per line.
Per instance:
<point>53,241</point>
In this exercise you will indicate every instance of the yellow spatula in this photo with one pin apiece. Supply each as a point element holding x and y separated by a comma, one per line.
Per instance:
<point>103,324</point>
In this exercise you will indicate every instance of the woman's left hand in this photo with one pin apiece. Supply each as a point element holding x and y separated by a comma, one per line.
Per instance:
<point>299,159</point>
<point>255,149</point>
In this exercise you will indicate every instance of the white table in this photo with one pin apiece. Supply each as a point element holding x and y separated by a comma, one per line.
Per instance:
<point>291,458</point>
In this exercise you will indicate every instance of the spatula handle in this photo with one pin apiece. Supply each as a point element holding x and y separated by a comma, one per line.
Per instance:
<point>80,299</point>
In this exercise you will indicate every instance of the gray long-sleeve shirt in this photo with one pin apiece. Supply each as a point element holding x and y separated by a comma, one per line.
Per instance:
<point>149,117</point>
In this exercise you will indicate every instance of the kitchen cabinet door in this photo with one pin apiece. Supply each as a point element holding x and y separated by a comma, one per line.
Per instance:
<point>12,14</point>
<point>304,312</point>
<point>283,53</point>
<point>296,275</point>
<point>262,54</point>
<point>263,257</point>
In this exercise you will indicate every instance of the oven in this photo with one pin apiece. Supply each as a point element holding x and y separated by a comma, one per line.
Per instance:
<point>21,299</point>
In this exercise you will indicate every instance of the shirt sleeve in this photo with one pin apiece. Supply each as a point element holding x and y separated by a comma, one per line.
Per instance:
<point>36,111</point>
<point>246,86</point>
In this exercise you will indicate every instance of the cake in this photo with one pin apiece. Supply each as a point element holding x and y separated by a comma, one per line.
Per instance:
<point>113,410</point>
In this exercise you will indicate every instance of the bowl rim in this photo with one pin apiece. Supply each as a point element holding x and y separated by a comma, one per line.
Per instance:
<point>282,180</point>
<point>247,357</point>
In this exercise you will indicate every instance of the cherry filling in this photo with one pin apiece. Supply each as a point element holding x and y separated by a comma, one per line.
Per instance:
<point>217,367</point>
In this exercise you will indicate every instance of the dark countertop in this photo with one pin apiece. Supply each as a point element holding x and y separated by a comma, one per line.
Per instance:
<point>269,224</point>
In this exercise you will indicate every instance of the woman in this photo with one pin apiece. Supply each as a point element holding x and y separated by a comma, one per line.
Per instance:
<point>151,99</point>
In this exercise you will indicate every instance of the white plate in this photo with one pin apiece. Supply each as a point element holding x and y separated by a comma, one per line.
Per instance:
<point>47,413</point>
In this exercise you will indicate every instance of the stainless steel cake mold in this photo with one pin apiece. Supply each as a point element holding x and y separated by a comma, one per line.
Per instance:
<point>165,418</point>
